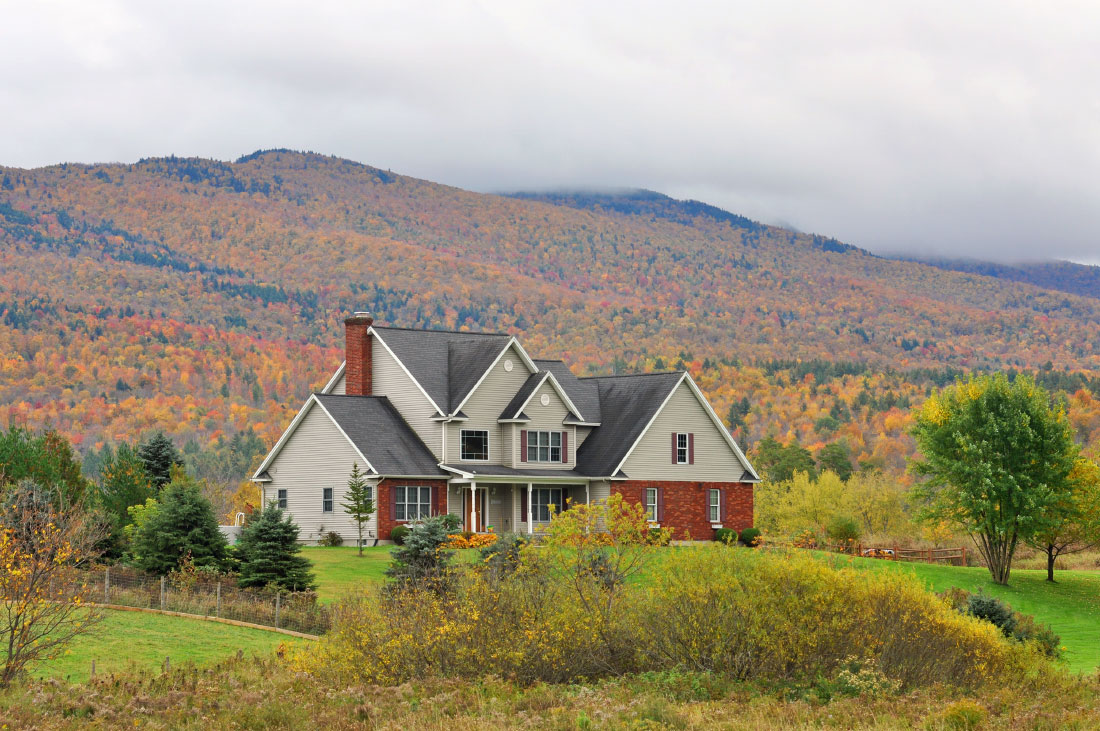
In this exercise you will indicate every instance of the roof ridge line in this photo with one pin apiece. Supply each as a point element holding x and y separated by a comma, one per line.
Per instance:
<point>449,332</point>
<point>632,375</point>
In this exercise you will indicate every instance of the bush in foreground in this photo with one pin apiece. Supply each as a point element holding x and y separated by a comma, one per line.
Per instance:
<point>740,614</point>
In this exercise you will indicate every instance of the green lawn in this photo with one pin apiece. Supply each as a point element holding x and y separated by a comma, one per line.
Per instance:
<point>340,570</point>
<point>140,640</point>
<point>1071,606</point>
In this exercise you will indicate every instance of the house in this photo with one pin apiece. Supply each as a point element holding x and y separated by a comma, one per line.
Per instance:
<point>471,424</point>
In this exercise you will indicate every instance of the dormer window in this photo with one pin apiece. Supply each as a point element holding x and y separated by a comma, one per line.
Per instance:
<point>683,448</point>
<point>475,445</point>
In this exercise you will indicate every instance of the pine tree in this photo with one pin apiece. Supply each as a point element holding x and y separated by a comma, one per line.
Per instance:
<point>360,501</point>
<point>159,455</point>
<point>183,525</point>
<point>270,554</point>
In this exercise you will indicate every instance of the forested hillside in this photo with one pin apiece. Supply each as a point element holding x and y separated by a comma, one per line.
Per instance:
<point>201,297</point>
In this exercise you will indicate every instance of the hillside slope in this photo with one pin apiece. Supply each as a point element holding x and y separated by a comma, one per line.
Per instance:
<point>200,296</point>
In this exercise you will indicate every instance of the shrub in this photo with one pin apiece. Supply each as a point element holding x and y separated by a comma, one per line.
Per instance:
<point>738,614</point>
<point>505,554</point>
<point>421,558</point>
<point>398,533</point>
<point>962,715</point>
<point>727,536</point>
<point>843,529</point>
<point>459,541</point>
<point>1023,627</point>
<point>992,610</point>
<point>750,536</point>
<point>331,539</point>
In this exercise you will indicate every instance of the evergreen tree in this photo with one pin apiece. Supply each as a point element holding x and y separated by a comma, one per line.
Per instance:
<point>184,524</point>
<point>46,459</point>
<point>270,554</point>
<point>159,455</point>
<point>421,560</point>
<point>360,501</point>
<point>123,483</point>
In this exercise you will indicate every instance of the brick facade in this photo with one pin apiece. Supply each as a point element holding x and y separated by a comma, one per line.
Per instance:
<point>358,371</point>
<point>384,501</point>
<point>685,505</point>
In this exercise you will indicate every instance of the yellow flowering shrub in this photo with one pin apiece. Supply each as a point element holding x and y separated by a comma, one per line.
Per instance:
<point>765,614</point>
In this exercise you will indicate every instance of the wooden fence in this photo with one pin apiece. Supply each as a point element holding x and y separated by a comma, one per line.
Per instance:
<point>953,556</point>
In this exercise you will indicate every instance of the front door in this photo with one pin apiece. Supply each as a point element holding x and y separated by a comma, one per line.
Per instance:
<point>475,522</point>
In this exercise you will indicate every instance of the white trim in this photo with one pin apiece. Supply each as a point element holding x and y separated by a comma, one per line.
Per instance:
<point>557,387</point>
<point>713,417</point>
<point>523,356</point>
<point>374,333</point>
<point>290,430</point>
<point>335,377</point>
<point>488,447</point>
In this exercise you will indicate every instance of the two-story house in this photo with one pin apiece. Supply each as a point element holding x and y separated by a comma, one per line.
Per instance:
<point>469,423</point>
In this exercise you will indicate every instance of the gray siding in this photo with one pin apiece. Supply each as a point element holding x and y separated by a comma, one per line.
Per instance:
<point>582,434</point>
<point>316,456</point>
<point>484,407</point>
<point>499,509</point>
<point>652,457</point>
<point>340,387</point>
<point>389,379</point>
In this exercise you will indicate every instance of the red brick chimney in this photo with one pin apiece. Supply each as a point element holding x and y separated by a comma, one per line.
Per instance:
<point>357,353</point>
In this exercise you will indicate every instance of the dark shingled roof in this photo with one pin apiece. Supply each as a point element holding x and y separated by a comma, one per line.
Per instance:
<point>628,403</point>
<point>383,437</point>
<point>582,392</point>
<point>446,364</point>
<point>521,396</point>
<point>495,470</point>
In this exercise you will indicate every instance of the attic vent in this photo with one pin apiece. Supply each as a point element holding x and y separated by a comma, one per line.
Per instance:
<point>545,399</point>
<point>509,365</point>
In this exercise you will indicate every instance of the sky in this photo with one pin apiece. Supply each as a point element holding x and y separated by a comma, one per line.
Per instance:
<point>961,129</point>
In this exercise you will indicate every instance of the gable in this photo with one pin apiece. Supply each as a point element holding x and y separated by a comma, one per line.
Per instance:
<point>314,445</point>
<point>486,403</point>
<point>715,460</point>
<point>389,379</point>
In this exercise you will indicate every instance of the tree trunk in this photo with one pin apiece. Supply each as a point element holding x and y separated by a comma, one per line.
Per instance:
<point>1050,562</point>
<point>360,540</point>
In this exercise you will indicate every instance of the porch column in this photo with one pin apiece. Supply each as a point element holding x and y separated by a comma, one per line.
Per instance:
<point>473,506</point>
<point>587,493</point>
<point>530,509</point>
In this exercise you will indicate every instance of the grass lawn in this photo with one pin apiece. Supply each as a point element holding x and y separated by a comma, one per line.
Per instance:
<point>141,640</point>
<point>1071,606</point>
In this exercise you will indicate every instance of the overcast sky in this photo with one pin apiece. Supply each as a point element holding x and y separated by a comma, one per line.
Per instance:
<point>962,128</point>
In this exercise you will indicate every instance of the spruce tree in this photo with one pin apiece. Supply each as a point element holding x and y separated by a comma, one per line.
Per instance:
<point>159,455</point>
<point>360,501</point>
<point>184,524</point>
<point>270,554</point>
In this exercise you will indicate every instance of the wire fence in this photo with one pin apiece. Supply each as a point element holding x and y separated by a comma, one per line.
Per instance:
<point>208,597</point>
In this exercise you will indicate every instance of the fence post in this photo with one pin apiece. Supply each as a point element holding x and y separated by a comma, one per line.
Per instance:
<point>964,555</point>
<point>930,556</point>
<point>106,587</point>
<point>219,609</point>
<point>278,602</point>
<point>163,594</point>
<point>93,668</point>
<point>897,553</point>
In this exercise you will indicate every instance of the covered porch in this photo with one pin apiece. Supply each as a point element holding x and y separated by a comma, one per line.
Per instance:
<point>513,503</point>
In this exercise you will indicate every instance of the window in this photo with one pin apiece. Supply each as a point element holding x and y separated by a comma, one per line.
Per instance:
<point>681,449</point>
<point>541,500</point>
<point>326,500</point>
<point>651,504</point>
<point>281,495</point>
<point>715,506</point>
<point>544,446</point>
<point>475,444</point>
<point>412,503</point>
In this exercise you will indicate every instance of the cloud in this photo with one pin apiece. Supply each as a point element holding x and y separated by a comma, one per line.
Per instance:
<point>956,128</point>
